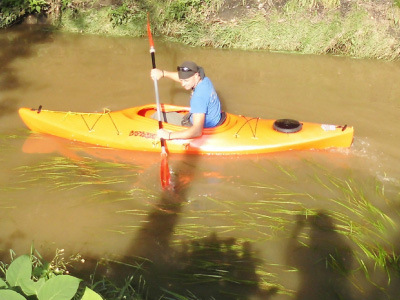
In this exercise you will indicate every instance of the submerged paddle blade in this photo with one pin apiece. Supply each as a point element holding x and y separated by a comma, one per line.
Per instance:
<point>165,173</point>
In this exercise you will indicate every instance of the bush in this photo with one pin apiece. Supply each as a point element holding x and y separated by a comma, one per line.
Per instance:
<point>13,11</point>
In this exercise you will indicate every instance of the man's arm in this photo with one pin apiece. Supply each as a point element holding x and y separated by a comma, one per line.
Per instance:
<point>192,132</point>
<point>158,74</point>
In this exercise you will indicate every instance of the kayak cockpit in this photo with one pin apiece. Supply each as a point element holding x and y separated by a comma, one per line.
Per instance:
<point>150,111</point>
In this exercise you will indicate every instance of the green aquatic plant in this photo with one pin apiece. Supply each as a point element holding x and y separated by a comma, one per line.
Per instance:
<point>68,174</point>
<point>353,203</point>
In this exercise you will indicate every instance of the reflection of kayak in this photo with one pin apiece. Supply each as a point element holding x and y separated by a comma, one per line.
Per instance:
<point>42,143</point>
<point>133,129</point>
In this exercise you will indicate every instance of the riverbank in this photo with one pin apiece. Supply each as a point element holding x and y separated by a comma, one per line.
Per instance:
<point>355,28</point>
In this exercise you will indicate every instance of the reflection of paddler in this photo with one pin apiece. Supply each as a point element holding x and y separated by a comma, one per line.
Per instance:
<point>205,107</point>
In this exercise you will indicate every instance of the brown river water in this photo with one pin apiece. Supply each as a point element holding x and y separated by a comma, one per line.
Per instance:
<point>291,225</point>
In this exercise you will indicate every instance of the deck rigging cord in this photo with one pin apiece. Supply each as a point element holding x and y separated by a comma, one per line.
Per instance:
<point>253,131</point>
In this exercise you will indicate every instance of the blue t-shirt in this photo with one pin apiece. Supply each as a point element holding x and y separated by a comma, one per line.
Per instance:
<point>205,100</point>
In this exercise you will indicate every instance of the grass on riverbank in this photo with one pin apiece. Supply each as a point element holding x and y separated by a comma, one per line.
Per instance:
<point>355,30</point>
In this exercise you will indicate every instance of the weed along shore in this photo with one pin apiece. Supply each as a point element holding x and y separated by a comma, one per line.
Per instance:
<point>355,28</point>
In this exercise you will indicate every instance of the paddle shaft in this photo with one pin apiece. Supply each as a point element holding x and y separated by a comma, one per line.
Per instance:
<point>153,62</point>
<point>164,170</point>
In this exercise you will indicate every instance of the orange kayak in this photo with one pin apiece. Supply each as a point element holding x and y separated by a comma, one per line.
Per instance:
<point>133,129</point>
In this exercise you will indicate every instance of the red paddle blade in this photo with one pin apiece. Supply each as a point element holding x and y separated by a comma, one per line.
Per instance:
<point>165,174</point>
<point>149,32</point>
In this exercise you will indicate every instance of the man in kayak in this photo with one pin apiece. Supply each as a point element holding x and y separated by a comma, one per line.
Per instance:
<point>205,107</point>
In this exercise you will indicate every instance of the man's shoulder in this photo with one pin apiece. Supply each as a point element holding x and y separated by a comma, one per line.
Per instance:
<point>206,83</point>
<point>207,80</point>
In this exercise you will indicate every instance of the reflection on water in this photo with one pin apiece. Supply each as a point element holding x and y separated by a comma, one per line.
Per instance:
<point>289,225</point>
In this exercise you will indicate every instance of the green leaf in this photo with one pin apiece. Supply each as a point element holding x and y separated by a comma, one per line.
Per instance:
<point>39,284</point>
<point>28,286</point>
<point>91,295</point>
<point>19,270</point>
<point>62,287</point>
<point>2,283</point>
<point>11,295</point>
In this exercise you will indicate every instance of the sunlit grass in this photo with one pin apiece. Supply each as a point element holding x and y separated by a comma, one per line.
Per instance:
<point>99,22</point>
<point>294,30</point>
<point>65,174</point>
<point>354,214</point>
<point>301,26</point>
<point>311,4</point>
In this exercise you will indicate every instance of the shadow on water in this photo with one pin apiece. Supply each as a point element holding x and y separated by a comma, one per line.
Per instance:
<point>205,268</point>
<point>17,43</point>
<point>324,262</point>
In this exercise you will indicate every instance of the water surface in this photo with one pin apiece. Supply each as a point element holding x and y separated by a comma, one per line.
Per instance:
<point>259,212</point>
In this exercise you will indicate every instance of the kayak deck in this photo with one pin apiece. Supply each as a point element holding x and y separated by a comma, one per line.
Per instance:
<point>133,129</point>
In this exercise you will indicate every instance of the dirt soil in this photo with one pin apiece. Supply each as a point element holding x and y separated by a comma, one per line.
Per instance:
<point>236,9</point>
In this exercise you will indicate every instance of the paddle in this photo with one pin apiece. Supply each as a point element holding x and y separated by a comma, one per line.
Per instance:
<point>164,172</point>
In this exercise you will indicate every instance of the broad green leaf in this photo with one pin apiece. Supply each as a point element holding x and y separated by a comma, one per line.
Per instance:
<point>39,284</point>
<point>20,269</point>
<point>2,283</point>
<point>10,295</point>
<point>91,295</point>
<point>62,287</point>
<point>28,286</point>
